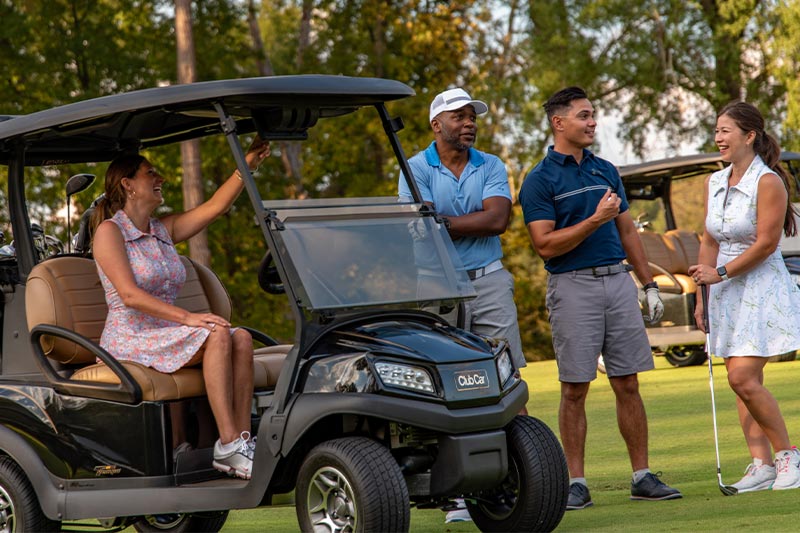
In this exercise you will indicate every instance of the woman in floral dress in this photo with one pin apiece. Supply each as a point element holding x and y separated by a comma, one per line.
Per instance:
<point>753,301</point>
<point>142,274</point>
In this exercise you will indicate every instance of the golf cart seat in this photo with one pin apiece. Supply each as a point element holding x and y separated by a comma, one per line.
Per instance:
<point>66,292</point>
<point>670,256</point>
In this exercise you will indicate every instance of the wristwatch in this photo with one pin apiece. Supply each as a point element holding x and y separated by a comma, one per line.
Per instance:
<point>723,273</point>
<point>446,222</point>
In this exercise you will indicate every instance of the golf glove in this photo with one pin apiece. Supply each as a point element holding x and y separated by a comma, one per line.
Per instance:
<point>655,307</point>
<point>417,229</point>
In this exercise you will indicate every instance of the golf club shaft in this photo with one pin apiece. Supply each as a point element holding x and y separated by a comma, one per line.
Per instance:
<point>704,292</point>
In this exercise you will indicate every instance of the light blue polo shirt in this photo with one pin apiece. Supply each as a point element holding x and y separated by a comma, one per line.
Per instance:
<point>561,190</point>
<point>485,176</point>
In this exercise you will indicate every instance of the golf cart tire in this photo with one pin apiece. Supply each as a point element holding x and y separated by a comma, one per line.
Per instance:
<point>537,477</point>
<point>19,506</point>
<point>357,473</point>
<point>691,355</point>
<point>209,522</point>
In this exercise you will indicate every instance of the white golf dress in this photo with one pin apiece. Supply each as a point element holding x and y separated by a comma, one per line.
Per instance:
<point>756,313</point>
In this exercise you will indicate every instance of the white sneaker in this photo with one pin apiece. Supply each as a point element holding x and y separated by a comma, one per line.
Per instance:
<point>787,466</point>
<point>459,514</point>
<point>234,458</point>
<point>756,477</point>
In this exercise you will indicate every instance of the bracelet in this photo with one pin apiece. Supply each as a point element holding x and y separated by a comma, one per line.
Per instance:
<point>651,285</point>
<point>238,174</point>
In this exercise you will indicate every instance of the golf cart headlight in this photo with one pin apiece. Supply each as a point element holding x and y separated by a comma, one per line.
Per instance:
<point>504,367</point>
<point>405,376</point>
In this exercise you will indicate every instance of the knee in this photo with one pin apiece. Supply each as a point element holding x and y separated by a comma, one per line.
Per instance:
<point>220,337</point>
<point>625,385</point>
<point>743,384</point>
<point>573,395</point>
<point>242,350</point>
<point>242,341</point>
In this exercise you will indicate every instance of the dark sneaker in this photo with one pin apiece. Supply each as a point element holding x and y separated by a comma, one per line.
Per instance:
<point>652,488</point>
<point>579,497</point>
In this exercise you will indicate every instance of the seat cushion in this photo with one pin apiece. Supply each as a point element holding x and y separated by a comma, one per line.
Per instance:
<point>267,363</point>
<point>155,385</point>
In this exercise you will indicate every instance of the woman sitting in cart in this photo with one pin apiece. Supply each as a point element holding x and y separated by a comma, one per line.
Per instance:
<point>142,275</point>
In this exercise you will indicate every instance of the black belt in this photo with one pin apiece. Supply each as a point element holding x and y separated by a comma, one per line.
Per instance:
<point>605,270</point>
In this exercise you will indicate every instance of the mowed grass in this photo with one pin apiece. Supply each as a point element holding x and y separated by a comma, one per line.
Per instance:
<point>678,404</point>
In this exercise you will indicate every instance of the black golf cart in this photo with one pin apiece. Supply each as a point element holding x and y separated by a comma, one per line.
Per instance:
<point>672,247</point>
<point>376,406</point>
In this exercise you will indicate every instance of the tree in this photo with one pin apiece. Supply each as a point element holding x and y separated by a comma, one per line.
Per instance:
<point>190,150</point>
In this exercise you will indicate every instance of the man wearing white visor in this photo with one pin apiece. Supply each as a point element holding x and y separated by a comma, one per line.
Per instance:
<point>469,189</point>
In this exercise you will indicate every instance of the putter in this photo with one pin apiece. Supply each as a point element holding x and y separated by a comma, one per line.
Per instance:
<point>727,490</point>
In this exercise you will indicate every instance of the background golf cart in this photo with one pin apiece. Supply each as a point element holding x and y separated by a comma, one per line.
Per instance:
<point>666,200</point>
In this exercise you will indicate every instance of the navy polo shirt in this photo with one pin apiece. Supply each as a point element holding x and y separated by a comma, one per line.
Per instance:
<point>561,190</point>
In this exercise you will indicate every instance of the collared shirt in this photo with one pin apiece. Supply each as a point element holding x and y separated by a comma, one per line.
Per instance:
<point>732,211</point>
<point>561,190</point>
<point>485,176</point>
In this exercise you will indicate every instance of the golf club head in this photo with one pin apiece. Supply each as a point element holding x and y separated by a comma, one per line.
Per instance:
<point>78,183</point>
<point>728,490</point>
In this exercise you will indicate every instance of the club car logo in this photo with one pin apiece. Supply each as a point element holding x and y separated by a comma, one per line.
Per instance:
<point>106,470</point>
<point>472,379</point>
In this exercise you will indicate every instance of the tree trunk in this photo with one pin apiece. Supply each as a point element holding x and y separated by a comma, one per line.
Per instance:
<point>190,150</point>
<point>290,151</point>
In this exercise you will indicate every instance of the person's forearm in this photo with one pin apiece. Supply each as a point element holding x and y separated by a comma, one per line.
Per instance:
<point>478,224</point>
<point>561,241</point>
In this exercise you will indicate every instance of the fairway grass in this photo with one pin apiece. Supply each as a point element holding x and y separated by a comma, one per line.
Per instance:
<point>678,404</point>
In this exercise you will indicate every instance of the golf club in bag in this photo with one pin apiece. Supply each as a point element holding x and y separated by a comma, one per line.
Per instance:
<point>727,490</point>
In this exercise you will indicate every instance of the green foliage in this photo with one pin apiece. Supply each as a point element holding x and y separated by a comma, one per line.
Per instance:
<point>665,65</point>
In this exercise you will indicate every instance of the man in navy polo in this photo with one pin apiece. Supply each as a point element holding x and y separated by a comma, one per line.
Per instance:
<point>469,188</point>
<point>577,216</point>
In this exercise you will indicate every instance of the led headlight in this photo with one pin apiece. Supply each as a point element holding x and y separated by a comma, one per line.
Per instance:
<point>504,367</point>
<point>405,376</point>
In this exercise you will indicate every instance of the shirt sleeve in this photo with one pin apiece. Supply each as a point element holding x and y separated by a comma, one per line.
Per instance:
<point>496,179</point>
<point>421,174</point>
<point>536,199</point>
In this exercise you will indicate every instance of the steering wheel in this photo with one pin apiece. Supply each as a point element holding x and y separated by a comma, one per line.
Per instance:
<point>268,277</point>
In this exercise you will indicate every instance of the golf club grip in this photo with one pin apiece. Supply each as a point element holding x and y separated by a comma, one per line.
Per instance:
<point>704,293</point>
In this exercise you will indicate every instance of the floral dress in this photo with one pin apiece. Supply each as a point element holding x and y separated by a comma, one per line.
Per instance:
<point>756,313</point>
<point>135,336</point>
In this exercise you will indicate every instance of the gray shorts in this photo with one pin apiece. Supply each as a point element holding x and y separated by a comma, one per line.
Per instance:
<point>593,315</point>
<point>493,312</point>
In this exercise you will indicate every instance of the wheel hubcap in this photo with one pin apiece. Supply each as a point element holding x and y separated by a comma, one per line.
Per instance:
<point>331,503</point>
<point>165,521</point>
<point>7,515</point>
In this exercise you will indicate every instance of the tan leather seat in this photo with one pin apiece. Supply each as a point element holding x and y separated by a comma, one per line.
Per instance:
<point>66,291</point>
<point>669,261</point>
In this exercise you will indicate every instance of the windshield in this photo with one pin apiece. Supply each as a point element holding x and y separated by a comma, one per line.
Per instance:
<point>341,261</point>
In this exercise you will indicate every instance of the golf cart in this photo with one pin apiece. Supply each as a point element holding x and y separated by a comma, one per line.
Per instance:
<point>670,232</point>
<point>376,405</point>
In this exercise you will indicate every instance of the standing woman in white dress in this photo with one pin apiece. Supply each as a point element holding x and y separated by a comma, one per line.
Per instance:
<point>753,301</point>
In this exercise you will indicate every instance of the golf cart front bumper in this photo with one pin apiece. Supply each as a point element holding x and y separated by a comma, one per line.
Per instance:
<point>467,463</point>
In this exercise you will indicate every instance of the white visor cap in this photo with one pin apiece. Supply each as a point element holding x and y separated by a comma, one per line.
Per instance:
<point>453,99</point>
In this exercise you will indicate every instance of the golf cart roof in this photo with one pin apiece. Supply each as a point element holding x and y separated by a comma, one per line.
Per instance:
<point>673,168</point>
<point>279,107</point>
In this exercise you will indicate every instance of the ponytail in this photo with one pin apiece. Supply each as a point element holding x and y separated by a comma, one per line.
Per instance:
<point>769,150</point>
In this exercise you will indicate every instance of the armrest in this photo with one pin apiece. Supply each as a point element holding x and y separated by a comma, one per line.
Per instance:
<point>260,336</point>
<point>127,391</point>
